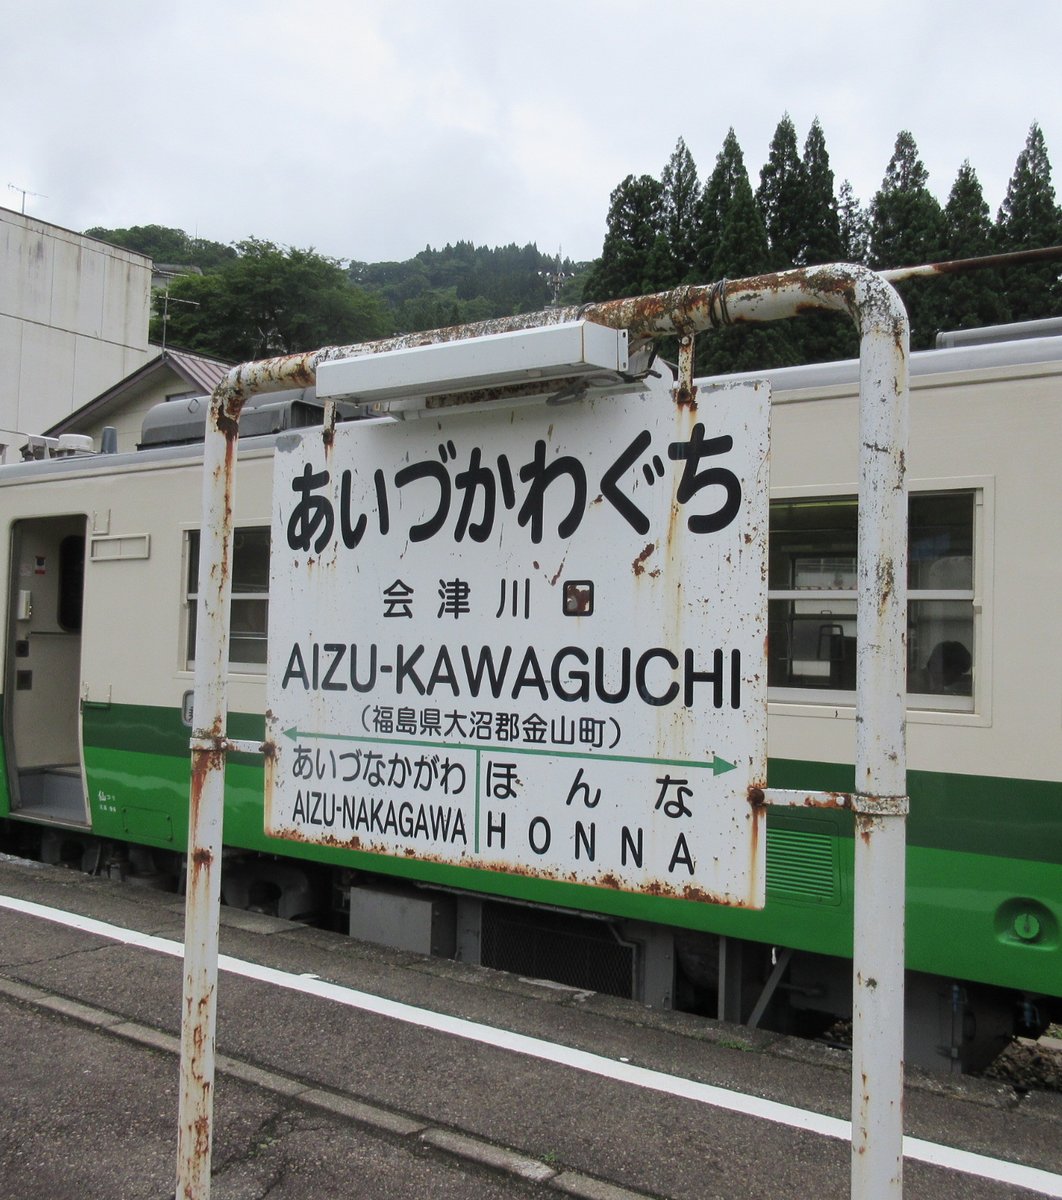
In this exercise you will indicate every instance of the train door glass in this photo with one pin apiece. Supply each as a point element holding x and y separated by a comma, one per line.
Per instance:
<point>43,669</point>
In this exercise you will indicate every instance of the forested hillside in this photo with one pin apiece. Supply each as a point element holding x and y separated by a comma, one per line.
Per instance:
<point>255,298</point>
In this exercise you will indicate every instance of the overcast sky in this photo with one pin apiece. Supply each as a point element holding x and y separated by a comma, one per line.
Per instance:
<point>369,130</point>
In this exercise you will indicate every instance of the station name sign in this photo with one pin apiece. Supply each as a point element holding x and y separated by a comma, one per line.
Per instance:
<point>529,639</point>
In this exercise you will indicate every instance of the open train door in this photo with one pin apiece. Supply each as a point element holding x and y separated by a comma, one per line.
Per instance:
<point>43,670</point>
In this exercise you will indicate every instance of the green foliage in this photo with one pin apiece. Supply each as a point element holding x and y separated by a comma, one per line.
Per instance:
<point>269,301</point>
<point>825,336</point>
<point>976,298</point>
<point>715,199</point>
<point>907,228</point>
<point>257,299</point>
<point>634,220</point>
<point>675,258</point>
<point>164,245</point>
<point>742,250</point>
<point>1029,218</point>
<point>782,198</point>
<point>854,226</point>
<point>821,233</point>
<point>464,283</point>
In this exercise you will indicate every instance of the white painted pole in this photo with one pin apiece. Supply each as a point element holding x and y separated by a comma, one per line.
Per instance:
<point>880,780</point>
<point>206,796</point>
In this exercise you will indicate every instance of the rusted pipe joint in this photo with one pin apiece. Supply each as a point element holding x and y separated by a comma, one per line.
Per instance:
<point>880,806</point>
<point>208,743</point>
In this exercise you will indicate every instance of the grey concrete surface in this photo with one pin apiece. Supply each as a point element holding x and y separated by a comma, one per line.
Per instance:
<point>315,1098</point>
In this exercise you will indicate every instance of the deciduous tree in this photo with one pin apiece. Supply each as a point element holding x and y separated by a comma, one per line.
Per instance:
<point>269,301</point>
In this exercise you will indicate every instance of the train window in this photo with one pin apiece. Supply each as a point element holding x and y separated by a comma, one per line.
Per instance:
<point>812,598</point>
<point>249,610</point>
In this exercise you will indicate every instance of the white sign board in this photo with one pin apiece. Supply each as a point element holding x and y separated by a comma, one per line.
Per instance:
<point>530,639</point>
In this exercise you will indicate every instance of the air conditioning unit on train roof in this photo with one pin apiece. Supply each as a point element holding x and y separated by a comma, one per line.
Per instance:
<point>182,421</point>
<point>549,361</point>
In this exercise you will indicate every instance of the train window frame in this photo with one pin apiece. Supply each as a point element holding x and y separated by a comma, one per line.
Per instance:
<point>249,597</point>
<point>922,708</point>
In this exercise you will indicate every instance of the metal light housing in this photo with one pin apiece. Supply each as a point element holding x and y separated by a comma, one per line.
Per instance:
<point>550,361</point>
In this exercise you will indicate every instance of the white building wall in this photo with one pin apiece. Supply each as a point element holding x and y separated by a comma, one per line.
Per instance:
<point>74,318</point>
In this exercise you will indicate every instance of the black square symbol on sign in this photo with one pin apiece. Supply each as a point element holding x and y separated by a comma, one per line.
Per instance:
<point>578,598</point>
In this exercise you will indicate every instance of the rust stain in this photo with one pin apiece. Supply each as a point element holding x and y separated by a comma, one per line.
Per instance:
<point>652,887</point>
<point>886,582</point>
<point>202,1136</point>
<point>828,800</point>
<point>638,566</point>
<point>686,397</point>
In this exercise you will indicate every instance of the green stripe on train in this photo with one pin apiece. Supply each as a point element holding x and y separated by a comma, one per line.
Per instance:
<point>976,814</point>
<point>969,871</point>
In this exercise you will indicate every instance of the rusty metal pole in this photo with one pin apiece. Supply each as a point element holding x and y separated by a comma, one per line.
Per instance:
<point>209,746</point>
<point>880,803</point>
<point>880,761</point>
<point>202,899</point>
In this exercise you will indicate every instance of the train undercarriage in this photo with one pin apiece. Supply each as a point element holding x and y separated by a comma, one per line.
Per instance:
<point>951,1026</point>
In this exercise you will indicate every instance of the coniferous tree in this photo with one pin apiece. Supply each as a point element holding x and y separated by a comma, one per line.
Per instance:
<point>633,224</point>
<point>678,207</point>
<point>853,226</point>
<point>977,297</point>
<point>822,226</point>
<point>1028,218</point>
<point>823,336</point>
<point>907,228</point>
<point>715,199</point>
<point>782,197</point>
<point>741,251</point>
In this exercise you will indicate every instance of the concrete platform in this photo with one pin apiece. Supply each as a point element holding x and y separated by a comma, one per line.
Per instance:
<point>345,1069</point>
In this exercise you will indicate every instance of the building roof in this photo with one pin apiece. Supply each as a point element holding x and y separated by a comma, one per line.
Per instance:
<point>200,373</point>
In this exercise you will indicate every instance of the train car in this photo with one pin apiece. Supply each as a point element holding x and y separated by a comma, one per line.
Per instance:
<point>101,554</point>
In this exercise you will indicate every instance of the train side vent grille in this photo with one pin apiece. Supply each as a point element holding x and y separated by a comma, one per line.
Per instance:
<point>802,865</point>
<point>540,944</point>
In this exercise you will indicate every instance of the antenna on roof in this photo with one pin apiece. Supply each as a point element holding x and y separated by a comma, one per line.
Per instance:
<point>26,192</point>
<point>167,300</point>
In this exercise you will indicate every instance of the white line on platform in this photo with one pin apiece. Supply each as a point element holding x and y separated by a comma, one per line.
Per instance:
<point>1045,1183</point>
